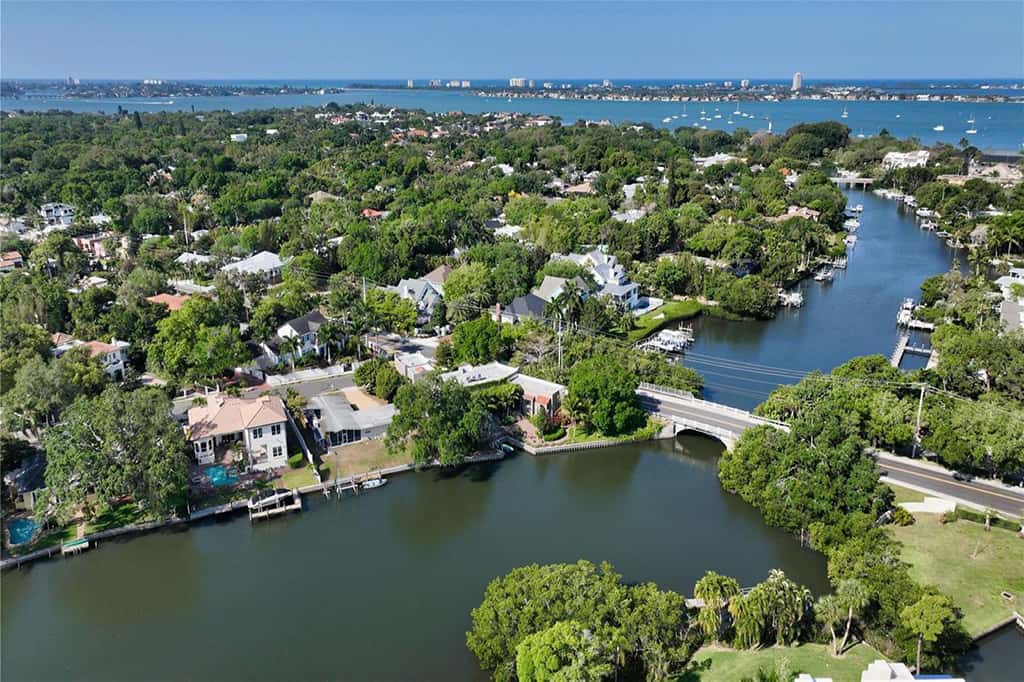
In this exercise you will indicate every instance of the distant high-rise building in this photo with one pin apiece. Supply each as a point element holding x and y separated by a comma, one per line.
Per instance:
<point>798,81</point>
<point>726,84</point>
<point>548,85</point>
<point>531,84</point>
<point>410,84</point>
<point>435,82</point>
<point>517,82</point>
<point>606,83</point>
<point>464,84</point>
<point>745,83</point>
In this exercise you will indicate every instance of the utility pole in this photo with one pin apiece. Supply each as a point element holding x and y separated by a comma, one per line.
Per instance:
<point>559,344</point>
<point>917,425</point>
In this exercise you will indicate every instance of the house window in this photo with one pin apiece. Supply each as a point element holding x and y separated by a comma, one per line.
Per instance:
<point>257,432</point>
<point>203,446</point>
<point>276,451</point>
<point>275,430</point>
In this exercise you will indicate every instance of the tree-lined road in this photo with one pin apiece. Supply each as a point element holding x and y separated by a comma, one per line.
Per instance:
<point>943,484</point>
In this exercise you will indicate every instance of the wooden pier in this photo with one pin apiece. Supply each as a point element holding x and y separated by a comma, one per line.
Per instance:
<point>278,507</point>
<point>75,546</point>
<point>903,347</point>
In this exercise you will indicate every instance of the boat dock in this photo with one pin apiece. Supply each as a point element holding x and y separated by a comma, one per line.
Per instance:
<point>903,347</point>
<point>668,341</point>
<point>268,506</point>
<point>75,546</point>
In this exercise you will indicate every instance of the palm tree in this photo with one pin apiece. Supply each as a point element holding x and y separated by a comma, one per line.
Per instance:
<point>829,611</point>
<point>568,304</point>
<point>328,335</point>
<point>854,596</point>
<point>289,345</point>
<point>715,591</point>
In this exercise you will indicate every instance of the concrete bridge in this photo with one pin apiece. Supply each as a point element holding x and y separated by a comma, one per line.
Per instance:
<point>687,413</point>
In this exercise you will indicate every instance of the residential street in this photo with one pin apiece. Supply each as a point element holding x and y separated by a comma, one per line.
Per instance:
<point>933,478</point>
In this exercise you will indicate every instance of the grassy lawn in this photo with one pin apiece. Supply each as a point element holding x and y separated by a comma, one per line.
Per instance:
<point>577,435</point>
<point>968,564</point>
<point>906,494</point>
<point>116,517</point>
<point>816,659</point>
<point>358,458</point>
<point>671,311</point>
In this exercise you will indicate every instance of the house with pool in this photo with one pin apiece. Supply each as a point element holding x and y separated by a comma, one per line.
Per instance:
<point>227,428</point>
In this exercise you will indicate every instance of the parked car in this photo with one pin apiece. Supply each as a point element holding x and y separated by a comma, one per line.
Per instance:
<point>962,476</point>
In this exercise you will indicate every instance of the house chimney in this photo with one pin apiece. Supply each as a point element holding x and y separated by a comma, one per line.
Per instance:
<point>497,313</point>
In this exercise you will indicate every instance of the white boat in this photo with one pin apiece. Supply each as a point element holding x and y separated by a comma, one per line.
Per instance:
<point>675,116</point>
<point>684,114</point>
<point>737,112</point>
<point>844,114</point>
<point>729,121</point>
<point>791,299</point>
<point>667,119</point>
<point>942,234</point>
<point>899,115</point>
<point>971,119</point>
<point>825,275</point>
<point>718,116</point>
<point>909,200</point>
<point>939,128</point>
<point>860,136</point>
<point>374,483</point>
<point>851,240</point>
<point>928,225</point>
<point>925,213</point>
<point>971,131</point>
<point>851,224</point>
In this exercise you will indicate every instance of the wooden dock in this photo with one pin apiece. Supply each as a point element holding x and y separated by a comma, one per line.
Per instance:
<point>862,183</point>
<point>75,546</point>
<point>277,508</point>
<point>903,347</point>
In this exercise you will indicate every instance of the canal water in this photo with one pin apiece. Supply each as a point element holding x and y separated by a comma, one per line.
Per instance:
<point>855,314</point>
<point>381,586</point>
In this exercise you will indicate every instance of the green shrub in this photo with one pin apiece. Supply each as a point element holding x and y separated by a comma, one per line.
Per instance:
<point>557,434</point>
<point>901,517</point>
<point>979,517</point>
<point>296,460</point>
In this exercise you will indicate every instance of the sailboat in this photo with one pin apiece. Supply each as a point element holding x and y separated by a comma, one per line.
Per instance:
<point>939,128</point>
<point>844,114</point>
<point>737,112</point>
<point>684,114</point>
<point>971,119</point>
<point>971,131</point>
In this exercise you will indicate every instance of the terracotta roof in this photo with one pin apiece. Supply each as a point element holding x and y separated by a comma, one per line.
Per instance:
<point>102,348</point>
<point>10,258</point>
<point>60,338</point>
<point>223,415</point>
<point>171,301</point>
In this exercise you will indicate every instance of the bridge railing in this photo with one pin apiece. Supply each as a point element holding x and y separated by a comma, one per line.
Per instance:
<point>683,395</point>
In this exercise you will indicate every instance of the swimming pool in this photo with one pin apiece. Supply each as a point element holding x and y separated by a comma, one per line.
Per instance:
<point>21,530</point>
<point>221,475</point>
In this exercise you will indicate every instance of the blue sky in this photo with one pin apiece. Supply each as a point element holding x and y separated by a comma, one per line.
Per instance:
<point>145,39</point>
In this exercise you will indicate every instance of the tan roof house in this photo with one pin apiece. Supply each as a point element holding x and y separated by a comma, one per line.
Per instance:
<point>257,425</point>
<point>170,301</point>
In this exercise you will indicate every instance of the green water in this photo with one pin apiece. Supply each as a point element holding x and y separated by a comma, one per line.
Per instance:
<point>380,586</point>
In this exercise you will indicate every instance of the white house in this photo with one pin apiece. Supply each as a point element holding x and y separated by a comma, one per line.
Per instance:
<point>480,375</point>
<point>422,293</point>
<point>719,159</point>
<point>57,214</point>
<point>239,137</point>
<point>265,264</point>
<point>1015,276</point>
<point>335,422</point>
<point>893,160</point>
<point>609,274</point>
<point>257,424</point>
<point>304,330</point>
<point>113,356</point>
<point>413,366</point>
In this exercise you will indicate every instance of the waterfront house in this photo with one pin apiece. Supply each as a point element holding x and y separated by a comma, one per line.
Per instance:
<point>56,214</point>
<point>304,330</point>
<point>256,427</point>
<point>413,366</point>
<point>552,287</point>
<point>916,159</point>
<point>538,393</point>
<point>264,264</point>
<point>609,274</point>
<point>335,422</point>
<point>797,212</point>
<point>24,484</point>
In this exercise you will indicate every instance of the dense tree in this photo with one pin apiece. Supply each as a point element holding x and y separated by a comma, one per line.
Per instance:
<point>437,420</point>
<point>115,445</point>
<point>604,395</point>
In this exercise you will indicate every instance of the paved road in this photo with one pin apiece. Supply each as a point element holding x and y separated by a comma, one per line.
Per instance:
<point>698,412</point>
<point>944,485</point>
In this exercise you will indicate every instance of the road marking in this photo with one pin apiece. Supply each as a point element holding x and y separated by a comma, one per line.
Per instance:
<point>974,489</point>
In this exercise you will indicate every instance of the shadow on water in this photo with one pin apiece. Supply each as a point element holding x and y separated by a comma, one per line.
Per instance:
<point>995,658</point>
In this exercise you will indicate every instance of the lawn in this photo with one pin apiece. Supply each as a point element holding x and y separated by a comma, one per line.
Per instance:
<point>970,565</point>
<point>906,494</point>
<point>577,435</point>
<point>671,311</point>
<point>350,460</point>
<point>116,517</point>
<point>816,659</point>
